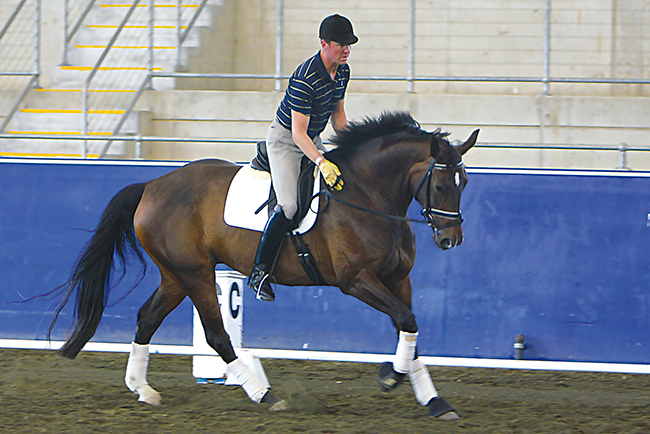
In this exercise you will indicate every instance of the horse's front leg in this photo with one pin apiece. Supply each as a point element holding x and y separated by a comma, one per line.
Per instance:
<point>369,289</point>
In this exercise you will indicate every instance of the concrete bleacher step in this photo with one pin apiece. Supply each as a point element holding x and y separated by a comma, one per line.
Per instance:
<point>71,98</point>
<point>57,111</point>
<point>124,57</point>
<point>163,35</point>
<point>56,121</point>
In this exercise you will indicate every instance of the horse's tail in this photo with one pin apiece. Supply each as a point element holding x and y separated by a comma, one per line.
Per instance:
<point>91,277</point>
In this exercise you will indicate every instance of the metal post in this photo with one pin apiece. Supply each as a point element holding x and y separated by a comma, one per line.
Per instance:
<point>151,39</point>
<point>411,47</point>
<point>623,157</point>
<point>179,34</point>
<point>547,48</point>
<point>89,78</point>
<point>278,45</point>
<point>37,43</point>
<point>84,112</point>
<point>65,32</point>
<point>138,147</point>
<point>67,36</point>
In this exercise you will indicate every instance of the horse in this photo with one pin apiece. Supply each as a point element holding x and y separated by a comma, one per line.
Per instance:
<point>362,242</point>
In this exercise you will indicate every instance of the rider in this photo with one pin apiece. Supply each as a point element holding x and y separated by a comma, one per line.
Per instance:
<point>314,96</point>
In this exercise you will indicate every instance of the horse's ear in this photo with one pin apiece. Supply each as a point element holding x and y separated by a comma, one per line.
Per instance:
<point>469,143</point>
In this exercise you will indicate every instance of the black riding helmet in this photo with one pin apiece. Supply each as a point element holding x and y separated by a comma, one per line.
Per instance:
<point>338,29</point>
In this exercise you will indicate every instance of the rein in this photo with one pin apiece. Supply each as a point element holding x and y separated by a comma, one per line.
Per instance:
<point>428,212</point>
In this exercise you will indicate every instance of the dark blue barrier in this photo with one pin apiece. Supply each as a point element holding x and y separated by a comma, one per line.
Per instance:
<point>46,212</point>
<point>560,257</point>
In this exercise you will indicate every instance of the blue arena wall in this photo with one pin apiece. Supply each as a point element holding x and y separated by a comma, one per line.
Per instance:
<point>558,256</point>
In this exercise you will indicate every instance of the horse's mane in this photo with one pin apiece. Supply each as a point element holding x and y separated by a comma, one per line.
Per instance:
<point>389,123</point>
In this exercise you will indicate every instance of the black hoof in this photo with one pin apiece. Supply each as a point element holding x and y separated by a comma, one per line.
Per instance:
<point>275,403</point>
<point>441,409</point>
<point>387,378</point>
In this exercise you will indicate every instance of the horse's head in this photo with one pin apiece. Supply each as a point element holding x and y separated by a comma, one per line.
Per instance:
<point>437,185</point>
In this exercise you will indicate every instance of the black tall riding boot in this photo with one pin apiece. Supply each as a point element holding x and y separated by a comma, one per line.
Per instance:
<point>267,254</point>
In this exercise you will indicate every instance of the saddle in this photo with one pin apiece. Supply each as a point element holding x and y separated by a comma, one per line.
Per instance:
<point>305,184</point>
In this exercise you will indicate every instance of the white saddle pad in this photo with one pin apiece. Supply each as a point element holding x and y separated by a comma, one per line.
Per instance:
<point>248,191</point>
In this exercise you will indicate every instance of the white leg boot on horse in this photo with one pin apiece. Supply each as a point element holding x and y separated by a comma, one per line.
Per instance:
<point>393,374</point>
<point>426,393</point>
<point>136,375</point>
<point>255,390</point>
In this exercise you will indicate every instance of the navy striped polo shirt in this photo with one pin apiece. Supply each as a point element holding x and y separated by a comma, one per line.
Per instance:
<point>312,92</point>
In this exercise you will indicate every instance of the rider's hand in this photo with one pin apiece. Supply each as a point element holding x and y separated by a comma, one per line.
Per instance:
<point>331,173</point>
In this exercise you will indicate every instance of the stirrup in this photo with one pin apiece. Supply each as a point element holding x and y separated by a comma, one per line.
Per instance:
<point>258,281</point>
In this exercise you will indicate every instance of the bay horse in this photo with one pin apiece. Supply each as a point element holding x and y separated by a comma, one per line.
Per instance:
<point>362,243</point>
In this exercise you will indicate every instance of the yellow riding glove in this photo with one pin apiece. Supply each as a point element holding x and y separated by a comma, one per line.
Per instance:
<point>331,173</point>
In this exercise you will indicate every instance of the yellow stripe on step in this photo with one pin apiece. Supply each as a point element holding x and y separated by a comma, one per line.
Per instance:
<point>146,6</point>
<point>52,155</point>
<point>60,133</point>
<point>79,90</point>
<point>108,68</point>
<point>61,111</point>
<point>133,26</point>
<point>136,47</point>
<point>73,111</point>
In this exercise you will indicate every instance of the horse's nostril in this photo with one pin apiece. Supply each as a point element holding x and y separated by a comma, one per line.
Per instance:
<point>446,243</point>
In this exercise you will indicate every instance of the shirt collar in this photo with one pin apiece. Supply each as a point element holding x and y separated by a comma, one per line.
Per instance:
<point>320,67</point>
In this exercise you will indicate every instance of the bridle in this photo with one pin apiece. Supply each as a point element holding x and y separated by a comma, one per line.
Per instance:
<point>428,211</point>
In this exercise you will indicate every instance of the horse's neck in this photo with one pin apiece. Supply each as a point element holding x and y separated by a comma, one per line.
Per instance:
<point>384,176</point>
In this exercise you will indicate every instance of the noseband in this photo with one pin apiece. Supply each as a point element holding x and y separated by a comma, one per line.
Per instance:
<point>428,211</point>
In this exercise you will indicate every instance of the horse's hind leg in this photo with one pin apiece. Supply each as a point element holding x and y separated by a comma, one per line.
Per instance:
<point>164,300</point>
<point>202,292</point>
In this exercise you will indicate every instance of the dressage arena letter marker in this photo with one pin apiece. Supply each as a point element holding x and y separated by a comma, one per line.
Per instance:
<point>211,368</point>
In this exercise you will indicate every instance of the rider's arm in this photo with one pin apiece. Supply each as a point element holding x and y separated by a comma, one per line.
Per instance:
<point>339,118</point>
<point>299,124</point>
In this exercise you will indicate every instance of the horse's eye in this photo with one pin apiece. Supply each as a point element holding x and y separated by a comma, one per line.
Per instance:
<point>439,189</point>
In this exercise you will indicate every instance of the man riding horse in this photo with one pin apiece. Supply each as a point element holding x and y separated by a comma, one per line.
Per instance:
<point>315,95</point>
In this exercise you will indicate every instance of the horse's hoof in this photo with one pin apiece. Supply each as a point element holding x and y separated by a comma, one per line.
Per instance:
<point>449,416</point>
<point>149,395</point>
<point>280,406</point>
<point>387,378</point>
<point>276,403</point>
<point>441,409</point>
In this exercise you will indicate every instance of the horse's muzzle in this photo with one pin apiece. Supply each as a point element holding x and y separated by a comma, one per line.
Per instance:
<point>447,241</point>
